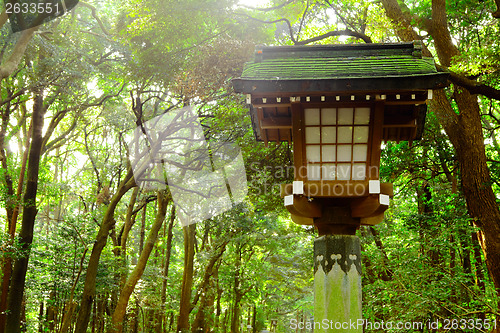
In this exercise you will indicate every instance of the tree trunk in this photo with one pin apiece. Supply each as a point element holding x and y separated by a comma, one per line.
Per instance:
<point>218,309</point>
<point>6,261</point>
<point>478,264</point>
<point>94,317</point>
<point>134,320</point>
<point>464,131</point>
<point>51,312</point>
<point>23,314</point>
<point>386,273</point>
<point>166,264</point>
<point>476,183</point>
<point>143,227</point>
<point>41,321</point>
<point>12,63</point>
<point>200,323</point>
<point>70,304</point>
<point>206,290</point>
<point>16,292</point>
<point>187,279</point>
<point>7,179</point>
<point>100,313</point>
<point>101,239</point>
<point>235,320</point>
<point>464,244</point>
<point>120,249</point>
<point>128,288</point>
<point>254,319</point>
<point>123,237</point>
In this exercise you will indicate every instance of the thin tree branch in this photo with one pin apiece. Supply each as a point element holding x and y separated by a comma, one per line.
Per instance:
<point>339,15</point>
<point>271,22</point>
<point>93,11</point>
<point>89,154</point>
<point>346,32</point>
<point>396,12</point>
<point>496,14</point>
<point>303,19</point>
<point>17,54</point>
<point>63,138</point>
<point>149,199</point>
<point>3,18</point>
<point>270,8</point>
<point>12,97</point>
<point>472,86</point>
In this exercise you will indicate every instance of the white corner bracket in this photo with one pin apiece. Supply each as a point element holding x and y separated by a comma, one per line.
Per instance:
<point>429,94</point>
<point>374,186</point>
<point>298,187</point>
<point>384,199</point>
<point>249,99</point>
<point>289,200</point>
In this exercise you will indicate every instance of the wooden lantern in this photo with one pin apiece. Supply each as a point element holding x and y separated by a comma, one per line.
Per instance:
<point>337,104</point>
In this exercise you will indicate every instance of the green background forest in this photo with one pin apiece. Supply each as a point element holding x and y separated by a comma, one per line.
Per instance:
<point>83,249</point>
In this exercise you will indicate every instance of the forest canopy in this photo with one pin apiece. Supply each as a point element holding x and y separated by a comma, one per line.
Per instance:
<point>83,248</point>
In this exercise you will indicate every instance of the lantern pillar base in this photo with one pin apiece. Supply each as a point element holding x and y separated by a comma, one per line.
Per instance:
<point>337,284</point>
<point>337,221</point>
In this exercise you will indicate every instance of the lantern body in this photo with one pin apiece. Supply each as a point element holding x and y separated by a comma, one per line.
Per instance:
<point>336,147</point>
<point>337,104</point>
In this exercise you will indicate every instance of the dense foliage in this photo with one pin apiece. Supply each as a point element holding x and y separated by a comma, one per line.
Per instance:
<point>106,256</point>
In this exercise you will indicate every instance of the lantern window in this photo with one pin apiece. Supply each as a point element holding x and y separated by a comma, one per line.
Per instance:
<point>336,142</point>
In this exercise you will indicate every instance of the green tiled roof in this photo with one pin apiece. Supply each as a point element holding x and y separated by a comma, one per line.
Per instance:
<point>338,68</point>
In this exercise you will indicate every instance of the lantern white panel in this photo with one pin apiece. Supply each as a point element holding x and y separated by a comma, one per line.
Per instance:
<point>344,153</point>
<point>361,134</point>
<point>374,186</point>
<point>313,172</point>
<point>328,172</point>
<point>311,116</point>
<point>328,153</point>
<point>344,134</point>
<point>359,171</point>
<point>384,199</point>
<point>359,153</point>
<point>345,116</point>
<point>328,116</point>
<point>344,171</point>
<point>362,116</point>
<point>298,187</point>
<point>312,135</point>
<point>313,153</point>
<point>328,134</point>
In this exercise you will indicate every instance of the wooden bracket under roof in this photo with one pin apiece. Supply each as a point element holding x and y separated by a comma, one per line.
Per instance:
<point>395,74</point>
<point>404,117</point>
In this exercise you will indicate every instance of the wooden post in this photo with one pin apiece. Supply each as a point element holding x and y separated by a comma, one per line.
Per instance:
<point>337,275</point>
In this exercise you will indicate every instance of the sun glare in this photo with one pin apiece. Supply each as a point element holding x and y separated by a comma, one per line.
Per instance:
<point>254,3</point>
